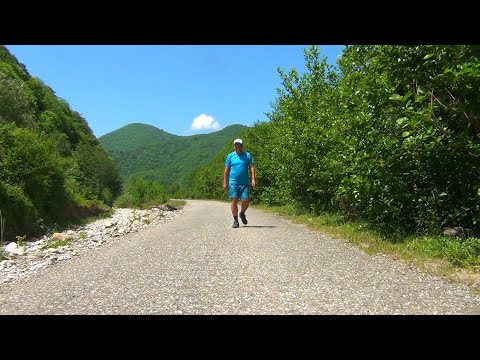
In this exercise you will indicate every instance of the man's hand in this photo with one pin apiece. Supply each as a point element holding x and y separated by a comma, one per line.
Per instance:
<point>252,174</point>
<point>226,172</point>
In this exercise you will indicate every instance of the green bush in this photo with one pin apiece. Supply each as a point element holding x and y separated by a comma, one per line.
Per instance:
<point>141,193</point>
<point>18,212</point>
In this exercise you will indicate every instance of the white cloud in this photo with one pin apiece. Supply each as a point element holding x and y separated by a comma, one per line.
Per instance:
<point>205,122</point>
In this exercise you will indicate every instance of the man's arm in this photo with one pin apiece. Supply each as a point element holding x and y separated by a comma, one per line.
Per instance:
<point>252,173</point>
<point>225,176</point>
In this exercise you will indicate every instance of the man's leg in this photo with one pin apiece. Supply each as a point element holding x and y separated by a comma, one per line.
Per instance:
<point>234,207</point>
<point>233,190</point>
<point>245,202</point>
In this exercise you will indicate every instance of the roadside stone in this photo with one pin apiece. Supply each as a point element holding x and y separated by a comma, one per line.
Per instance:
<point>34,256</point>
<point>60,236</point>
<point>13,248</point>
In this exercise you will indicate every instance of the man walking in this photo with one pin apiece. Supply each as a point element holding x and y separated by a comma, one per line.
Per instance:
<point>237,164</point>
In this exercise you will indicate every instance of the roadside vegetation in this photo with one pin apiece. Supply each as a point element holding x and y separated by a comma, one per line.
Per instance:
<point>382,149</point>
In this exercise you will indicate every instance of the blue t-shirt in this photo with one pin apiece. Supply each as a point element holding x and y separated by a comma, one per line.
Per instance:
<point>239,165</point>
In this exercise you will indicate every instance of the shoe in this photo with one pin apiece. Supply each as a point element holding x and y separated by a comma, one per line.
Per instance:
<point>235,224</point>
<point>244,218</point>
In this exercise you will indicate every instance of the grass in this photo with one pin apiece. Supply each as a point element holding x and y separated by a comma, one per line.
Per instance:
<point>56,244</point>
<point>87,220</point>
<point>176,203</point>
<point>455,258</point>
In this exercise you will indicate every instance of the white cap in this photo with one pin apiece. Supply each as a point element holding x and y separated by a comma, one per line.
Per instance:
<point>240,141</point>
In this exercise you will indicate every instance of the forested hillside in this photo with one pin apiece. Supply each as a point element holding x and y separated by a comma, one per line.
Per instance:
<point>146,151</point>
<point>391,137</point>
<point>52,167</point>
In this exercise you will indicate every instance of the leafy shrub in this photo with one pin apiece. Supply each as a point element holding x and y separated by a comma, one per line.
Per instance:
<point>141,193</point>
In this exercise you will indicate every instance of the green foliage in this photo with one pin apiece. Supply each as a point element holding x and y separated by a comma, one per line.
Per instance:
<point>58,243</point>
<point>11,66</point>
<point>392,138</point>
<point>49,159</point>
<point>460,252</point>
<point>82,211</point>
<point>19,213</point>
<point>141,193</point>
<point>16,103</point>
<point>29,162</point>
<point>21,240</point>
<point>95,174</point>
<point>176,203</point>
<point>50,125</point>
<point>412,155</point>
<point>125,200</point>
<point>292,150</point>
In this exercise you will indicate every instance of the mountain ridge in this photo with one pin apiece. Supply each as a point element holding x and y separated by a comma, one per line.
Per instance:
<point>145,150</point>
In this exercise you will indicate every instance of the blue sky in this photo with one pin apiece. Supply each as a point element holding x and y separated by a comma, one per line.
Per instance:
<point>181,89</point>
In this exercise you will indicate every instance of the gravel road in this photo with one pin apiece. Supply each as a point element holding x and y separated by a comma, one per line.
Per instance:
<point>198,264</point>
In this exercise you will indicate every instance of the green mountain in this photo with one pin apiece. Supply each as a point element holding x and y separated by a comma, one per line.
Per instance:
<point>145,150</point>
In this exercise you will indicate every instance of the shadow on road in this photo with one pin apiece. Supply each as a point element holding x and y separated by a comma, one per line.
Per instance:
<point>260,226</point>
